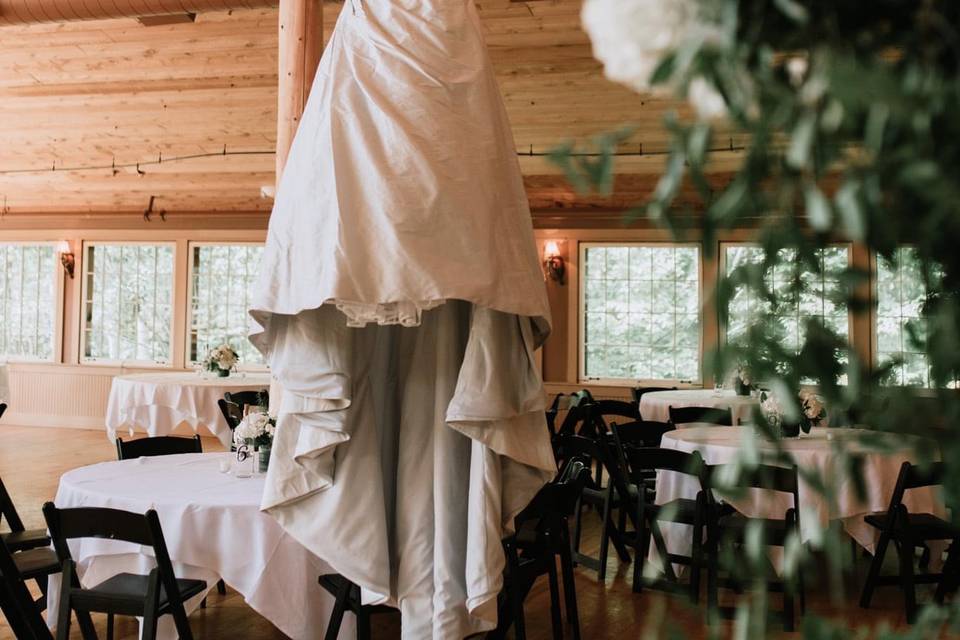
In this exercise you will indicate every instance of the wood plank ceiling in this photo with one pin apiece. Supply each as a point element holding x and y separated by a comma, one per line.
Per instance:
<point>116,93</point>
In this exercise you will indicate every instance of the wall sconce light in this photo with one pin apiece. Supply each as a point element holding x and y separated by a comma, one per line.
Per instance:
<point>553,262</point>
<point>66,257</point>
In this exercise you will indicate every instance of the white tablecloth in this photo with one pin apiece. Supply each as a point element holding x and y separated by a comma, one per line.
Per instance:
<point>157,402</point>
<point>811,452</point>
<point>213,528</point>
<point>4,384</point>
<point>656,404</point>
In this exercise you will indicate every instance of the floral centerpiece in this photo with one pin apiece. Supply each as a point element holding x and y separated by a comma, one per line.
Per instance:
<point>812,413</point>
<point>742,380</point>
<point>256,430</point>
<point>220,360</point>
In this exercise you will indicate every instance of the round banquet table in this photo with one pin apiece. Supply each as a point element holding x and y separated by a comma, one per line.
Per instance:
<point>213,528</point>
<point>655,405</point>
<point>812,452</point>
<point>157,402</point>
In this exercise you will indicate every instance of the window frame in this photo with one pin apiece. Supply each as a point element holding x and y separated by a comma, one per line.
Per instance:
<point>187,342</point>
<point>58,293</point>
<point>722,328</point>
<point>582,378</point>
<point>84,360</point>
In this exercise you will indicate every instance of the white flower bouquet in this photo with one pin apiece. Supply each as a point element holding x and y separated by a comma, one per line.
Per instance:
<point>256,428</point>
<point>812,413</point>
<point>221,360</point>
<point>256,432</point>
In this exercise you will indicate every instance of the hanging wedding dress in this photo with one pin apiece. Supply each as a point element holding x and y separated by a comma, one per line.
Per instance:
<point>399,305</point>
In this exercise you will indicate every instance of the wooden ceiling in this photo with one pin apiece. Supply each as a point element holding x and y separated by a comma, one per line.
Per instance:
<point>116,93</point>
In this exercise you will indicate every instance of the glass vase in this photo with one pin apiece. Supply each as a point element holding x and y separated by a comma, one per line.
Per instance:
<point>246,457</point>
<point>263,458</point>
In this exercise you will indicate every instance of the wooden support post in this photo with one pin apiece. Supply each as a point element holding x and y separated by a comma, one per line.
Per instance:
<point>301,44</point>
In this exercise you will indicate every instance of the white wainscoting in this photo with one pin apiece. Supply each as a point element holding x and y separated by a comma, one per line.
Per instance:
<point>59,395</point>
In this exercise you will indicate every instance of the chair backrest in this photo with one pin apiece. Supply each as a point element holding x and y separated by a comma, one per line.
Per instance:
<point>616,408</point>
<point>911,477</point>
<point>552,412</point>
<point>17,604</point>
<point>708,415</point>
<point>637,392</point>
<point>557,499</point>
<point>765,477</point>
<point>642,433</point>
<point>576,412</point>
<point>100,522</point>
<point>233,405</point>
<point>158,446</point>
<point>640,459</point>
<point>8,510</point>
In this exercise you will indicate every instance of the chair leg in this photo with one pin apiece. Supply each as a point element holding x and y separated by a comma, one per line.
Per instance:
<point>873,574</point>
<point>63,615</point>
<point>556,618</point>
<point>696,562</point>
<point>363,625</point>
<point>569,583</point>
<point>787,609</point>
<point>906,581</point>
<point>643,547</point>
<point>336,616</point>
<point>949,573</point>
<point>109,626</point>
<point>605,536</point>
<point>577,523</point>
<point>713,551</point>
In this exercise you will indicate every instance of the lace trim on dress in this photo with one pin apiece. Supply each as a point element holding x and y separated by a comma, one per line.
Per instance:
<point>406,313</point>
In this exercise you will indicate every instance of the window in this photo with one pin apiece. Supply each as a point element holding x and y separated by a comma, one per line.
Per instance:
<point>222,277</point>
<point>901,293</point>
<point>820,295</point>
<point>28,282</point>
<point>640,312</point>
<point>128,296</point>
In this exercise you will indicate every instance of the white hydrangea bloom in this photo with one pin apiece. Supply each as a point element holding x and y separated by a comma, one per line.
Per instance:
<point>631,37</point>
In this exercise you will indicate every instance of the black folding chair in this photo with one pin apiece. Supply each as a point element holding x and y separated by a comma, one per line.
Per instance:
<point>709,415</point>
<point>148,596</point>
<point>163,446</point>
<point>19,608</point>
<point>18,538</point>
<point>158,446</point>
<point>908,531</point>
<point>541,537</point>
<point>603,499</point>
<point>695,513</point>
<point>233,405</point>
<point>347,598</point>
<point>731,530</point>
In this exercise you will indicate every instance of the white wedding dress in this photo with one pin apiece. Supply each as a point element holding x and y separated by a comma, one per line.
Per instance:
<point>399,305</point>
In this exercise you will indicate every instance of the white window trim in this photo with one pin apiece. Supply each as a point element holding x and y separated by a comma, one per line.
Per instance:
<point>723,270</point>
<point>58,298</point>
<point>82,307</point>
<point>582,378</point>
<point>189,303</point>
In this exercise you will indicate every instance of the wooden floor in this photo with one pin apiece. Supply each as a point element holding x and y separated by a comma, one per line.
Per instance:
<point>32,460</point>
